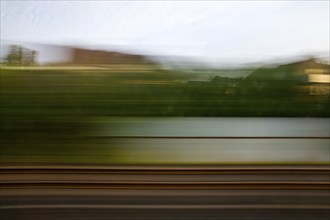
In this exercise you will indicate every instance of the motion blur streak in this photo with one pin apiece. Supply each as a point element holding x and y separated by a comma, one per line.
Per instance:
<point>147,110</point>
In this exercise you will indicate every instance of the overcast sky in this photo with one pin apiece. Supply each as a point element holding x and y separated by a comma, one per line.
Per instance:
<point>226,31</point>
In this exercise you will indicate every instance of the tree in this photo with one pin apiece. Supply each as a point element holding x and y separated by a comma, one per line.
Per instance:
<point>19,56</point>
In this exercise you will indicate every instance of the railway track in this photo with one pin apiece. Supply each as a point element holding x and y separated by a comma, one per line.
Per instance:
<point>210,177</point>
<point>163,174</point>
<point>176,192</point>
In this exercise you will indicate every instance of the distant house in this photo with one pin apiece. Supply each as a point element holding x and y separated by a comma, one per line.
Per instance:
<point>63,56</point>
<point>317,78</point>
<point>307,76</point>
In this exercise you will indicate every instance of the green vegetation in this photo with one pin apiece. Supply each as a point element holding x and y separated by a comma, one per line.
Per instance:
<point>45,112</point>
<point>73,93</point>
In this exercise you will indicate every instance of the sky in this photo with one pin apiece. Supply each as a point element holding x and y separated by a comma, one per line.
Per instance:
<point>225,31</point>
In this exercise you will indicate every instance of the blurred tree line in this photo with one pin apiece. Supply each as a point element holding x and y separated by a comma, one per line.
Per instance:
<point>20,56</point>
